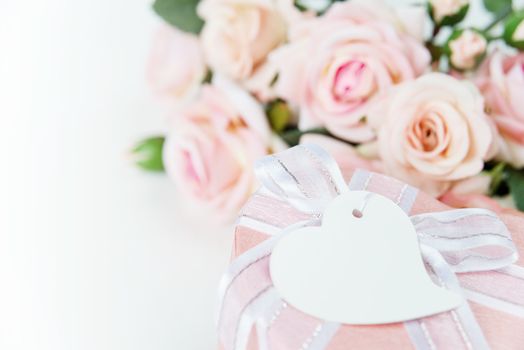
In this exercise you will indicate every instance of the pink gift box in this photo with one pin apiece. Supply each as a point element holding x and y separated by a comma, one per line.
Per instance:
<point>490,294</point>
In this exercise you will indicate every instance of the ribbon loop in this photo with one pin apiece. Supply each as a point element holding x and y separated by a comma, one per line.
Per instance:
<point>469,239</point>
<point>305,175</point>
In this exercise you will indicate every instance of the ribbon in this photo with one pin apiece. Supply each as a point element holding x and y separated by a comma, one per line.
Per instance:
<point>303,181</point>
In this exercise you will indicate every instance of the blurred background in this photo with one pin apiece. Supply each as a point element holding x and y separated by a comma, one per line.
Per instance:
<point>94,253</point>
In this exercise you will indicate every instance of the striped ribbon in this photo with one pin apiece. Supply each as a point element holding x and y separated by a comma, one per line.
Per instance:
<point>297,185</point>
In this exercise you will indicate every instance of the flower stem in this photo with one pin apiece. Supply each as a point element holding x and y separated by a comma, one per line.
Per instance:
<point>497,177</point>
<point>436,30</point>
<point>435,51</point>
<point>292,136</point>
<point>498,18</point>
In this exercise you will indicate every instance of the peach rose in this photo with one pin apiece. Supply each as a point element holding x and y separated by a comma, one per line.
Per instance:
<point>432,132</point>
<point>212,147</point>
<point>446,8</point>
<point>260,82</point>
<point>176,65</point>
<point>467,49</point>
<point>478,184</point>
<point>238,34</point>
<point>336,64</point>
<point>501,81</point>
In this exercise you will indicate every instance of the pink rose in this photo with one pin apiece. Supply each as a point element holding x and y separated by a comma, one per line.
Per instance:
<point>335,65</point>
<point>260,82</point>
<point>213,144</point>
<point>473,193</point>
<point>432,132</point>
<point>176,65</point>
<point>501,81</point>
<point>471,200</point>
<point>239,34</point>
<point>478,184</point>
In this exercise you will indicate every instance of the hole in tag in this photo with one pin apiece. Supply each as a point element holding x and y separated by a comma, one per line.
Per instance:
<point>357,213</point>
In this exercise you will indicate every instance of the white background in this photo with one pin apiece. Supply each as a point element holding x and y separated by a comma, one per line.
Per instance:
<point>94,254</point>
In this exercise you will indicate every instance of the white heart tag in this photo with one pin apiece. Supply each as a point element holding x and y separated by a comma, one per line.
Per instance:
<point>358,270</point>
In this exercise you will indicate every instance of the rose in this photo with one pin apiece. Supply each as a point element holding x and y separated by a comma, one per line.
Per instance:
<point>214,141</point>
<point>478,184</point>
<point>501,81</point>
<point>466,48</point>
<point>260,82</point>
<point>432,131</point>
<point>238,34</point>
<point>336,64</point>
<point>447,12</point>
<point>176,65</point>
<point>470,201</point>
<point>472,193</point>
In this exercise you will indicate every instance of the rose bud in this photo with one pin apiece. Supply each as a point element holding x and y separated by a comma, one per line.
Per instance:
<point>447,12</point>
<point>514,30</point>
<point>466,48</point>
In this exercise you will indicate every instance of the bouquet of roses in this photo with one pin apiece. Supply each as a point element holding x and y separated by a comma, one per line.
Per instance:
<point>411,92</point>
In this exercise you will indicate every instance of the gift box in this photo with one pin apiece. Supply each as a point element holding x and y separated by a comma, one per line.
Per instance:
<point>474,253</point>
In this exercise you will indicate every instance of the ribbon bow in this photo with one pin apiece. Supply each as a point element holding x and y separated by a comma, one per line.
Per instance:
<point>303,181</point>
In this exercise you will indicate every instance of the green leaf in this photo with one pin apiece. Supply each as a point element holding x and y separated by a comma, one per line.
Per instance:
<point>279,115</point>
<point>515,180</point>
<point>318,6</point>
<point>180,13</point>
<point>510,27</point>
<point>148,153</point>
<point>497,6</point>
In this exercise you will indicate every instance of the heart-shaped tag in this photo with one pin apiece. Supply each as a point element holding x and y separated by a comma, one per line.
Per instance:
<point>358,269</point>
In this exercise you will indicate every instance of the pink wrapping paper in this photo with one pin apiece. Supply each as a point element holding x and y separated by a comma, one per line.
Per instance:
<point>291,328</point>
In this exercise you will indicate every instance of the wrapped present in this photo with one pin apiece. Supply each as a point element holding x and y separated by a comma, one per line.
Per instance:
<point>473,253</point>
